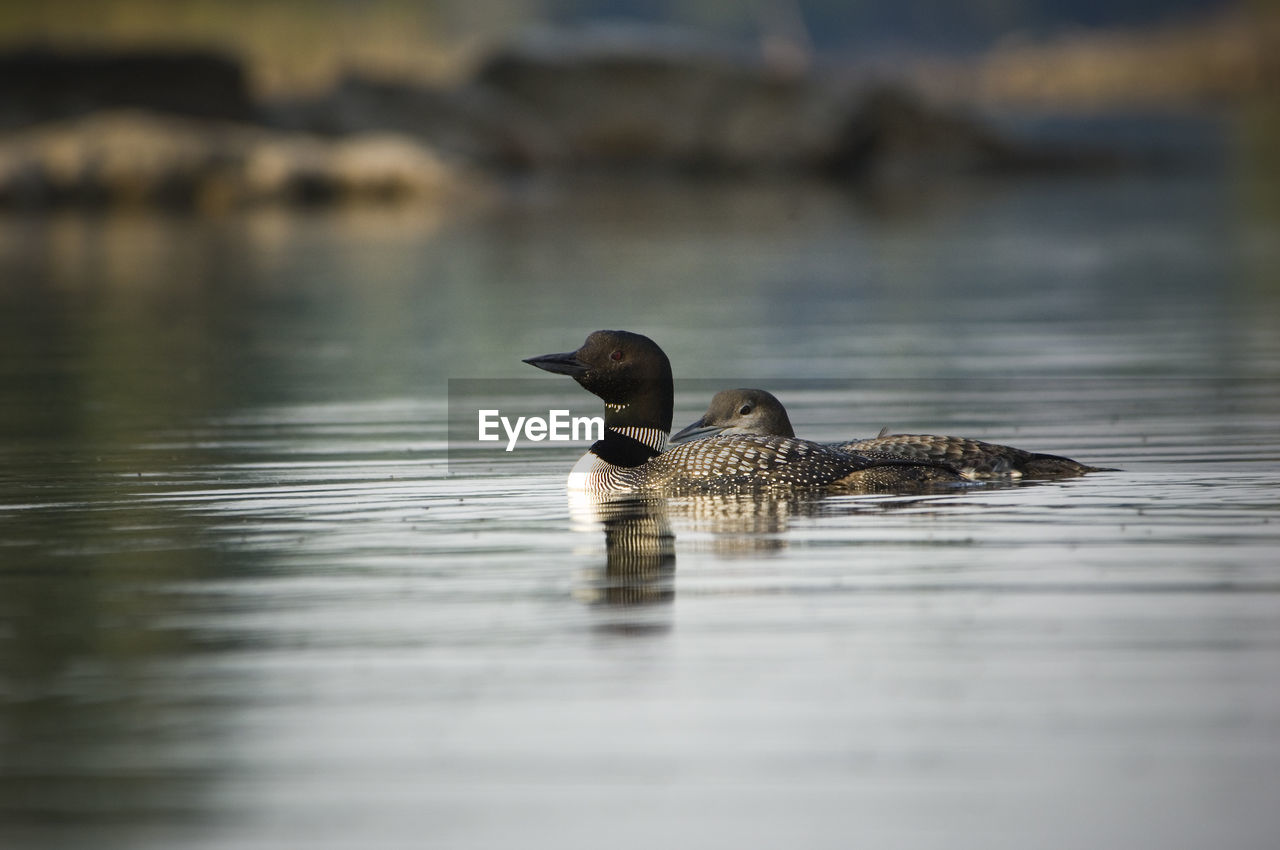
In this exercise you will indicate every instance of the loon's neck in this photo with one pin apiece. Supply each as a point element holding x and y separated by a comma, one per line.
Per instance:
<point>630,445</point>
<point>636,430</point>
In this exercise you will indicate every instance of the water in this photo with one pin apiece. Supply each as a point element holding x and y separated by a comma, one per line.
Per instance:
<point>248,598</point>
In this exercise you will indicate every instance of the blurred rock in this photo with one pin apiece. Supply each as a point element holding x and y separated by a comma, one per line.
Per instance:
<point>894,136</point>
<point>136,158</point>
<point>39,84</point>
<point>470,123</point>
<point>609,99</point>
<point>642,97</point>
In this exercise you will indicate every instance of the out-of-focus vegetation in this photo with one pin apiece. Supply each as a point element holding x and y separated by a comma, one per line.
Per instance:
<point>1217,58</point>
<point>226,103</point>
<point>1078,50</point>
<point>287,45</point>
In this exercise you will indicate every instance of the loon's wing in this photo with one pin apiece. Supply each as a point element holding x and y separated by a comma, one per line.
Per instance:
<point>755,462</point>
<point>974,457</point>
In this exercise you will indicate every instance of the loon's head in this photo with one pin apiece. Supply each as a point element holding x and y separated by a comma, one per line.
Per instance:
<point>629,372</point>
<point>741,411</point>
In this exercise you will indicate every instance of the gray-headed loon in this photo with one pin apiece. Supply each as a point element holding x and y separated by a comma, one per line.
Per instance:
<point>750,411</point>
<point>632,375</point>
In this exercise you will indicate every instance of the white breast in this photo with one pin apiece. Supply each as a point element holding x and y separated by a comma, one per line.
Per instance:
<point>595,476</point>
<point>581,476</point>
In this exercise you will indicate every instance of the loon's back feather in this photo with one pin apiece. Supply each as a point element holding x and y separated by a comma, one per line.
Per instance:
<point>974,456</point>
<point>754,411</point>
<point>752,463</point>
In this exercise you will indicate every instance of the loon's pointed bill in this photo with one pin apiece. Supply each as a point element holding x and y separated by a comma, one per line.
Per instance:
<point>562,364</point>
<point>695,431</point>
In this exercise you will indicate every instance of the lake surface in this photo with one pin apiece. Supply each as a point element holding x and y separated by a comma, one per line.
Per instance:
<point>250,598</point>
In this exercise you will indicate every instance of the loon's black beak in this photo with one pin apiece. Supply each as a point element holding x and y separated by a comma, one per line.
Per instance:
<point>561,364</point>
<point>695,431</point>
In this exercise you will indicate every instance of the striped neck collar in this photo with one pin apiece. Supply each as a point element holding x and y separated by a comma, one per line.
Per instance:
<point>654,438</point>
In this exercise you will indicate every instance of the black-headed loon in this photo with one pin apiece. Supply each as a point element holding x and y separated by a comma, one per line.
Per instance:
<point>751,411</point>
<point>632,375</point>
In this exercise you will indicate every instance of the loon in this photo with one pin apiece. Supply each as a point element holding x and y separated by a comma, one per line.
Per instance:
<point>632,375</point>
<point>751,411</point>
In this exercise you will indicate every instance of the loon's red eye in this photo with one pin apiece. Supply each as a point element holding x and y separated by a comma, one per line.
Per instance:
<point>746,408</point>
<point>616,355</point>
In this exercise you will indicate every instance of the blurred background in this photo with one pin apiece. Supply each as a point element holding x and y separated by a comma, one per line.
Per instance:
<point>485,146</point>
<point>1094,49</point>
<point>246,244</point>
<point>320,101</point>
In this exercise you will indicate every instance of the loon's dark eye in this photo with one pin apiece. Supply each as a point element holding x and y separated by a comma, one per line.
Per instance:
<point>746,408</point>
<point>616,355</point>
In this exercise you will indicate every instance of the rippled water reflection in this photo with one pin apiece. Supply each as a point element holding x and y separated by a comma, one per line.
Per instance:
<point>247,598</point>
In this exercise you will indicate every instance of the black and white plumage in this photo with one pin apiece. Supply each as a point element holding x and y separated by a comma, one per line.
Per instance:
<point>752,411</point>
<point>632,375</point>
<point>753,463</point>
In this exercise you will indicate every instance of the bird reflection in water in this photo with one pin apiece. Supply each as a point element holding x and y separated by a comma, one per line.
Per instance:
<point>637,581</point>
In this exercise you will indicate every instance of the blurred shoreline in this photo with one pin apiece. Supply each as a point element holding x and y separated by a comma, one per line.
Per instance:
<point>1225,58</point>
<point>292,48</point>
<point>183,127</point>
